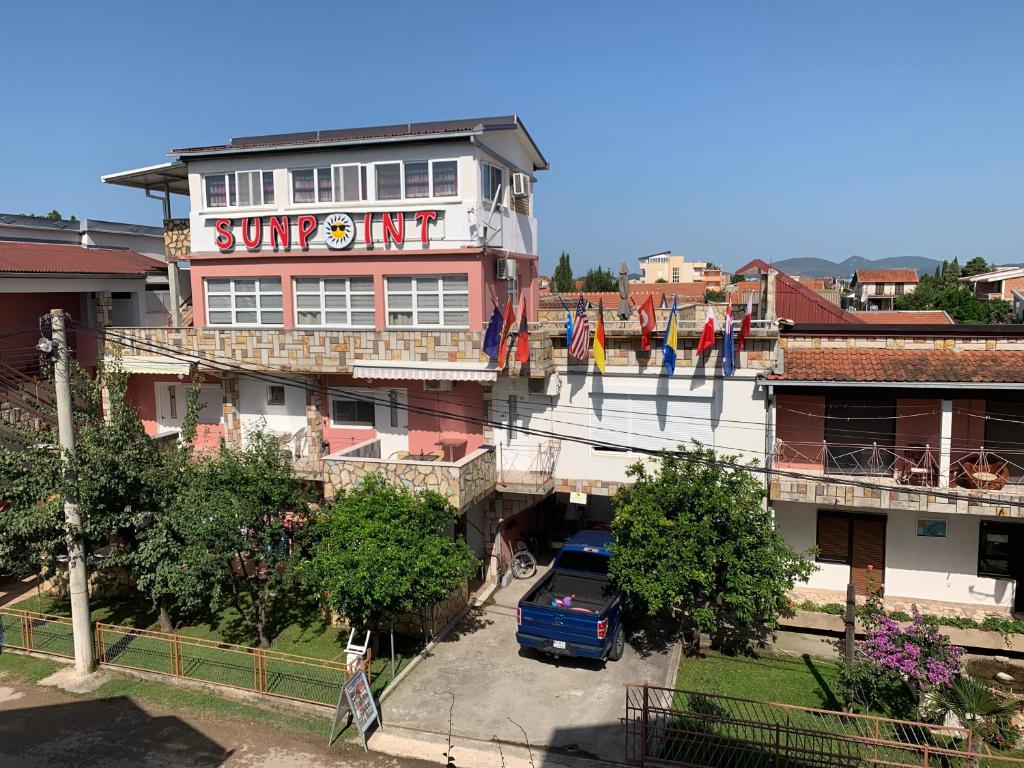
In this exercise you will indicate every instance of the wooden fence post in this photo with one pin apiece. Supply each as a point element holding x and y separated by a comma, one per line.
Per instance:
<point>176,665</point>
<point>26,631</point>
<point>99,644</point>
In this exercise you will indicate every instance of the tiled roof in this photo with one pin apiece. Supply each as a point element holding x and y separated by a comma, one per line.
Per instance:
<point>815,284</point>
<point>906,317</point>
<point>52,258</point>
<point>745,286</point>
<point>638,292</point>
<point>900,365</point>
<point>885,276</point>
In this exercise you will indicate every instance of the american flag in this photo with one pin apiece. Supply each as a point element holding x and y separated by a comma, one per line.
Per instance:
<point>579,347</point>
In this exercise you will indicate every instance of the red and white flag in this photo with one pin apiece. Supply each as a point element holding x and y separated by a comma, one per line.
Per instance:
<point>646,315</point>
<point>523,340</point>
<point>707,336</point>
<point>579,346</point>
<point>745,326</point>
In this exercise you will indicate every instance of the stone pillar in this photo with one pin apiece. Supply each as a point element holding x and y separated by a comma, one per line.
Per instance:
<point>314,418</point>
<point>945,442</point>
<point>769,297</point>
<point>232,419</point>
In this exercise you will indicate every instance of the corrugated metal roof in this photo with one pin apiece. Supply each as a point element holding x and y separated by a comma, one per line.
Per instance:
<point>53,258</point>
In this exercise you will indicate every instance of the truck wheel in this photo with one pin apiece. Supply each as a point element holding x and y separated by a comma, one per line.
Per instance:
<point>618,644</point>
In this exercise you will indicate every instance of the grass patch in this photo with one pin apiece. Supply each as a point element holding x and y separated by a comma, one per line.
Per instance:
<point>28,669</point>
<point>805,682</point>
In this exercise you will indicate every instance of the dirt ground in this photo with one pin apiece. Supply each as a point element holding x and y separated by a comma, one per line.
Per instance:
<point>46,728</point>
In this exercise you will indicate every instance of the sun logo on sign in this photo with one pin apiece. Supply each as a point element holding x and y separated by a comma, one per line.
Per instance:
<point>339,231</point>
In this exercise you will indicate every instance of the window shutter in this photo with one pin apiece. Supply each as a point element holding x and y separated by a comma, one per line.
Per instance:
<point>833,537</point>
<point>868,550</point>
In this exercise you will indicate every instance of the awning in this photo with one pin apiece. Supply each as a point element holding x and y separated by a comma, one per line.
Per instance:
<point>430,371</point>
<point>171,176</point>
<point>153,364</point>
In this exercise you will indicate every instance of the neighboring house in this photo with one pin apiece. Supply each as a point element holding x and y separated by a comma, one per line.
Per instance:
<point>662,295</point>
<point>714,278</point>
<point>998,284</point>
<point>670,268</point>
<point>359,267</point>
<point>934,414</point>
<point>878,288</point>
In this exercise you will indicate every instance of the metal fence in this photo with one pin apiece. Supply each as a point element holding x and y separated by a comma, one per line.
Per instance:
<point>260,670</point>
<point>671,727</point>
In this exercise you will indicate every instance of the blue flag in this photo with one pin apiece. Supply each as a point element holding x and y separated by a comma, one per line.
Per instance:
<point>728,351</point>
<point>568,323</point>
<point>668,349</point>
<point>492,338</point>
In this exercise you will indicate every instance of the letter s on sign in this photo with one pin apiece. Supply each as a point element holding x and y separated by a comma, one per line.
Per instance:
<point>225,237</point>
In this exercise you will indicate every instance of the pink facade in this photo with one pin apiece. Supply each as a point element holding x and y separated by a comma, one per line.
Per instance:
<point>478,264</point>
<point>19,327</point>
<point>142,394</point>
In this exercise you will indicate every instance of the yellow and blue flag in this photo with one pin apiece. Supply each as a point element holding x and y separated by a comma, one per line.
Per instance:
<point>668,349</point>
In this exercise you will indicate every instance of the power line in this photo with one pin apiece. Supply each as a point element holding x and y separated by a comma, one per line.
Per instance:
<point>232,367</point>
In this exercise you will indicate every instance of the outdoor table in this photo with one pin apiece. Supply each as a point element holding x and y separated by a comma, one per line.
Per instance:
<point>449,444</point>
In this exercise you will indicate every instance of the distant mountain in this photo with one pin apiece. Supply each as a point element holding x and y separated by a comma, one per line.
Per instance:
<point>812,267</point>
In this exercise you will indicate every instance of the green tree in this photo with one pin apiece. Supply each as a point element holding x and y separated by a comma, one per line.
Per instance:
<point>975,266</point>
<point>244,517</point>
<point>31,509</point>
<point>693,539</point>
<point>714,295</point>
<point>944,292</point>
<point>563,281</point>
<point>384,551</point>
<point>600,280</point>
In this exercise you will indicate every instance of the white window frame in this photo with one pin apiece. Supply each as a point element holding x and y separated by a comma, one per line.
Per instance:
<point>354,395</point>
<point>485,193</point>
<point>231,194</point>
<point>416,309</point>
<point>323,293</point>
<point>316,184</point>
<point>431,193</point>
<point>361,171</point>
<point>234,309</point>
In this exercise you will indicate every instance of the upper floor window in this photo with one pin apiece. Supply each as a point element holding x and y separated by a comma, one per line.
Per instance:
<point>389,181</point>
<point>438,300</point>
<point>352,412</point>
<point>490,180</point>
<point>334,301</point>
<point>239,189</point>
<point>244,301</point>
<point>327,184</point>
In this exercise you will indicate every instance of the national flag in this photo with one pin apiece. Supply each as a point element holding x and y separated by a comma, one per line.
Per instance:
<point>707,336</point>
<point>507,321</point>
<point>745,325</point>
<point>728,351</point>
<point>668,349</point>
<point>599,337</point>
<point>580,342</point>
<point>646,315</point>
<point>568,323</point>
<point>523,340</point>
<point>492,337</point>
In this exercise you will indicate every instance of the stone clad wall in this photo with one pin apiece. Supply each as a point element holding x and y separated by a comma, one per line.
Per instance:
<point>177,239</point>
<point>463,482</point>
<point>882,341</point>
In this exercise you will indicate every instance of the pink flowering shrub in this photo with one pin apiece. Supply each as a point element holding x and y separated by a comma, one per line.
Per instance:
<point>918,653</point>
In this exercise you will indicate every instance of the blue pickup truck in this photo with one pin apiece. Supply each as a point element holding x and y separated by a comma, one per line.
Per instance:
<point>575,610</point>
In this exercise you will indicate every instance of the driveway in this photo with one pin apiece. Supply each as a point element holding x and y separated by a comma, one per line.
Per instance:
<point>574,707</point>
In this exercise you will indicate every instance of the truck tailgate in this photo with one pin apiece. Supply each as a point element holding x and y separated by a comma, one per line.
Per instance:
<point>559,624</point>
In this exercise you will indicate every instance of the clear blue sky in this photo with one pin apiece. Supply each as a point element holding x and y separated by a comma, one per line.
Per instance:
<point>723,131</point>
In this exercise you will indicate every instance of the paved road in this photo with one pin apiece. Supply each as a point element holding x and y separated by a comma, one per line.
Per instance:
<point>575,707</point>
<point>46,728</point>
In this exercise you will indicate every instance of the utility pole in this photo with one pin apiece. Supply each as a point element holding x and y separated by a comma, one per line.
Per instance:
<point>78,584</point>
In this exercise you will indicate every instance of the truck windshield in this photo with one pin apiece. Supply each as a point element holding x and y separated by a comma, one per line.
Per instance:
<point>591,562</point>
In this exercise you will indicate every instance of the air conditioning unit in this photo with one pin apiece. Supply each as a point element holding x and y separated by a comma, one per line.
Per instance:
<point>437,386</point>
<point>520,184</point>
<point>505,269</point>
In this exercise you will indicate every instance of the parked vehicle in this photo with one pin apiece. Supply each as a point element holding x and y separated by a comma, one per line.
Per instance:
<point>575,610</point>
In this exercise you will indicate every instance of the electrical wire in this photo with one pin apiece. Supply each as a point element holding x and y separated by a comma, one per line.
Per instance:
<point>234,368</point>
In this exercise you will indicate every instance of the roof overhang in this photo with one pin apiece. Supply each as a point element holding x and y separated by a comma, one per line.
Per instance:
<point>168,177</point>
<point>420,371</point>
<point>966,385</point>
<point>158,364</point>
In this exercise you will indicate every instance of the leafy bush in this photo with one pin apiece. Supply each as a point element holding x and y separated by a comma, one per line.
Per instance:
<point>979,709</point>
<point>918,653</point>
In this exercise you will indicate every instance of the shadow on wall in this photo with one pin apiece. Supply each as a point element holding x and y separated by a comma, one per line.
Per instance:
<point>111,732</point>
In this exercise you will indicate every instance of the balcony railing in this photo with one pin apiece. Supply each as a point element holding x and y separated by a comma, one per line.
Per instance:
<point>527,469</point>
<point>463,482</point>
<point>984,469</point>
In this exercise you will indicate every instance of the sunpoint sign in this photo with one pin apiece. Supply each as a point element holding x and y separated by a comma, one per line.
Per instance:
<point>337,231</point>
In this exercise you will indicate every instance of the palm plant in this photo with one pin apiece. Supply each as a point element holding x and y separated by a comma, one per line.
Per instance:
<point>978,708</point>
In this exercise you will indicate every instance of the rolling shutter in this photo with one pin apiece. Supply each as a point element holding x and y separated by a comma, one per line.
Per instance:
<point>868,549</point>
<point>833,537</point>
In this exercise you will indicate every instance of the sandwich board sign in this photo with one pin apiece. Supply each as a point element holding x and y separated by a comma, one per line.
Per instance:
<point>362,709</point>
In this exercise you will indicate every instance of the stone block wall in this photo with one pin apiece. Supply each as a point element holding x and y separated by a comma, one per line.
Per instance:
<point>933,342</point>
<point>177,239</point>
<point>415,623</point>
<point>229,407</point>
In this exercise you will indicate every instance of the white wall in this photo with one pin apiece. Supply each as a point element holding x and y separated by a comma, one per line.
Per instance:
<point>916,567</point>
<point>735,416</point>
<point>255,413</point>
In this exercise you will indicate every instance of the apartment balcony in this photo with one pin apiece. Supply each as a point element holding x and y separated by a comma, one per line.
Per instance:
<point>985,481</point>
<point>529,469</point>
<point>463,482</point>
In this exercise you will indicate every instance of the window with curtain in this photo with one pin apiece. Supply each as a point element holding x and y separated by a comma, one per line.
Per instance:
<point>445,178</point>
<point>312,185</point>
<point>242,189</point>
<point>435,300</point>
<point>334,301</point>
<point>389,181</point>
<point>491,178</point>
<point>244,301</point>
<point>417,180</point>
<point>216,190</point>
